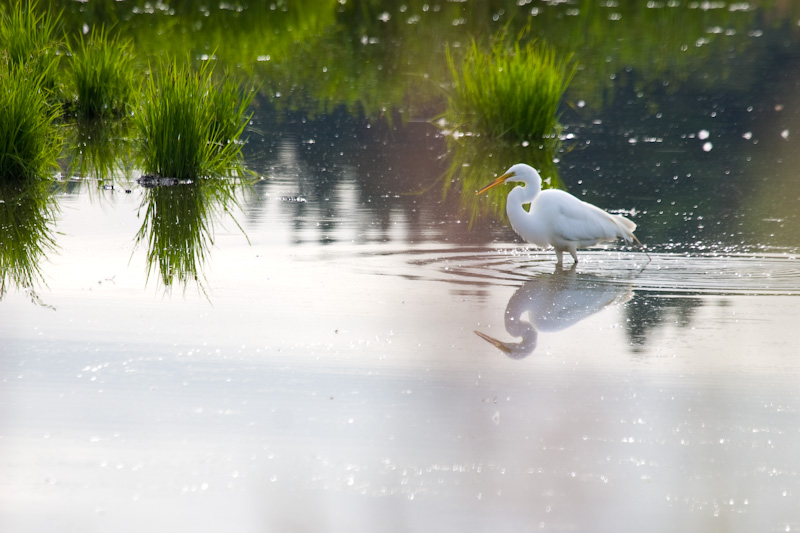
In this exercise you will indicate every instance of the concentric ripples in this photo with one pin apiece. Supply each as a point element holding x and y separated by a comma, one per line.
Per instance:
<point>669,273</point>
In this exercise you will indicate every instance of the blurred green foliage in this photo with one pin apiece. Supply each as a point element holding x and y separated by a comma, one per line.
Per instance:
<point>383,58</point>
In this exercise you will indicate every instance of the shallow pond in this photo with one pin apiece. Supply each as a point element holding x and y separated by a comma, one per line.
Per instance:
<point>358,353</point>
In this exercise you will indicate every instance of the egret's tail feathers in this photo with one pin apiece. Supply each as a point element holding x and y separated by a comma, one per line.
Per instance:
<point>625,226</point>
<point>626,229</point>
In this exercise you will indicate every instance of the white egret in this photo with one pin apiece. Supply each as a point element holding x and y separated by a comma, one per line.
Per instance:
<point>556,218</point>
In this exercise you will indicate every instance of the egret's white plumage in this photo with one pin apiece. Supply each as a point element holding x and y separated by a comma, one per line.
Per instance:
<point>556,218</point>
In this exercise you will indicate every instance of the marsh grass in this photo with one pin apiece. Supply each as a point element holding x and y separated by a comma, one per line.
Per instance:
<point>27,213</point>
<point>30,141</point>
<point>178,227</point>
<point>30,39</point>
<point>190,125</point>
<point>102,75</point>
<point>509,91</point>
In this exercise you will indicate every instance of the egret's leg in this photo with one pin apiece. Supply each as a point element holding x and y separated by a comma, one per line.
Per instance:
<point>574,253</point>
<point>641,247</point>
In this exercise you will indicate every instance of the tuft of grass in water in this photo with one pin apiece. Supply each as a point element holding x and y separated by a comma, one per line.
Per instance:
<point>30,142</point>
<point>508,92</point>
<point>101,74</point>
<point>29,39</point>
<point>190,125</point>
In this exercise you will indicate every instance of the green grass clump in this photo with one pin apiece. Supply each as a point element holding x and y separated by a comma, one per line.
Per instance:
<point>30,142</point>
<point>190,124</point>
<point>508,92</point>
<point>26,33</point>
<point>101,74</point>
<point>29,38</point>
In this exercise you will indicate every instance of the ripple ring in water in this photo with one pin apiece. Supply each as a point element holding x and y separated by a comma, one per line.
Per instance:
<point>676,273</point>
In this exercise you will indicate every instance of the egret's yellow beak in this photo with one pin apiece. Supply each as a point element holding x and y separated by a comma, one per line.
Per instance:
<point>499,181</point>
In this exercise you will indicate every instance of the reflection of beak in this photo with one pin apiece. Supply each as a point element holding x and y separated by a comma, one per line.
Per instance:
<point>502,346</point>
<point>499,181</point>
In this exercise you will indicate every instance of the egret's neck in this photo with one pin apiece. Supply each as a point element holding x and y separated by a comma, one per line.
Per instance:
<point>530,337</point>
<point>519,217</point>
<point>525,194</point>
<point>519,197</point>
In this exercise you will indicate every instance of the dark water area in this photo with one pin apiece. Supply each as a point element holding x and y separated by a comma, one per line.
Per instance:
<point>353,341</point>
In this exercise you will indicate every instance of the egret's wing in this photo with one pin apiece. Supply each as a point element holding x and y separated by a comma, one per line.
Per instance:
<point>577,221</point>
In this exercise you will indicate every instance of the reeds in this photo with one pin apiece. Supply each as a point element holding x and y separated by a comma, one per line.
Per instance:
<point>510,92</point>
<point>29,39</point>
<point>190,125</point>
<point>30,142</point>
<point>101,74</point>
<point>26,33</point>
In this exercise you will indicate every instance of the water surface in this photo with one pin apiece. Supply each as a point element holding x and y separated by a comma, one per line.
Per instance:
<point>349,345</point>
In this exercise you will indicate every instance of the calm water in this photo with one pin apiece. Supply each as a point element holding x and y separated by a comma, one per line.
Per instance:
<point>362,352</point>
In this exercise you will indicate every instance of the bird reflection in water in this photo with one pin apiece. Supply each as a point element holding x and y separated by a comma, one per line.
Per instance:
<point>554,302</point>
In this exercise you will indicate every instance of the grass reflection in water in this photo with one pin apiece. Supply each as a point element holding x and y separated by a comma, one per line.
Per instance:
<point>27,218</point>
<point>178,227</point>
<point>100,149</point>
<point>474,160</point>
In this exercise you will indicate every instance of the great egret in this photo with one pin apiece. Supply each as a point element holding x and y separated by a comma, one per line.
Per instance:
<point>556,218</point>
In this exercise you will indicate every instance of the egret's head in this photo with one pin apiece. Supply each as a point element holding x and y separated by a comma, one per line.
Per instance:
<point>519,172</point>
